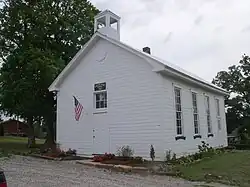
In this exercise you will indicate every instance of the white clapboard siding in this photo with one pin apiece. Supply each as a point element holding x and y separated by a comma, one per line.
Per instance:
<point>140,107</point>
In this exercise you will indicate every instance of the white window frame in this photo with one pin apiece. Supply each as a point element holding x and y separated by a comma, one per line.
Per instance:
<point>178,111</point>
<point>195,112</point>
<point>218,112</point>
<point>100,92</point>
<point>208,115</point>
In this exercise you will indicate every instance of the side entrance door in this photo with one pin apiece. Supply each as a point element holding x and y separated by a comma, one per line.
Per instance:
<point>100,140</point>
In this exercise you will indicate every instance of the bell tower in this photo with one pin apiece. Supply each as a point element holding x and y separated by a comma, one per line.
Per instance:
<point>108,24</point>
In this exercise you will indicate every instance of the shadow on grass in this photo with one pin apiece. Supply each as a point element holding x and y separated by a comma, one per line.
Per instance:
<point>17,145</point>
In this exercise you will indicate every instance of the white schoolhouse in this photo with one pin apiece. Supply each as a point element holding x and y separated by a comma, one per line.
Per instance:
<point>111,95</point>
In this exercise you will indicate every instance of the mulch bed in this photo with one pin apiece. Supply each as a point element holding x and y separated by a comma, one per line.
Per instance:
<point>121,160</point>
<point>126,162</point>
<point>51,157</point>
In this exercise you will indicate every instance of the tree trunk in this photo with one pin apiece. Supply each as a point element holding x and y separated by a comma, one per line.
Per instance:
<point>1,130</point>
<point>50,138</point>
<point>31,136</point>
<point>50,120</point>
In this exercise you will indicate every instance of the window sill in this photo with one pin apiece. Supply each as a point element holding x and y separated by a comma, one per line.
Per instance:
<point>100,111</point>
<point>180,138</point>
<point>210,135</point>
<point>197,136</point>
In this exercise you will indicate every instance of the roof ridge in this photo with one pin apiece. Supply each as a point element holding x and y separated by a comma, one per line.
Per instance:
<point>165,65</point>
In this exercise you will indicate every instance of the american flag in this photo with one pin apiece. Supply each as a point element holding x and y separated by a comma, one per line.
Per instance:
<point>78,109</point>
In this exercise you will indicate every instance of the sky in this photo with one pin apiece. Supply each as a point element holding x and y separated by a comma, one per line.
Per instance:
<point>201,36</point>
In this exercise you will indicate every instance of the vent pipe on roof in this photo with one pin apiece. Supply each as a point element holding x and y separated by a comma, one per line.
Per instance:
<point>146,50</point>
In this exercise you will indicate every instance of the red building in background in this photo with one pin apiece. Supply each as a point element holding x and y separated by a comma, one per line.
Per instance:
<point>14,127</point>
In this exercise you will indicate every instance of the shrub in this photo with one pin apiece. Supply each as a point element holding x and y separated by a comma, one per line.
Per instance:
<point>125,151</point>
<point>241,146</point>
<point>204,147</point>
<point>204,151</point>
<point>168,156</point>
<point>152,152</point>
<point>71,152</point>
<point>174,158</point>
<point>138,159</point>
<point>230,147</point>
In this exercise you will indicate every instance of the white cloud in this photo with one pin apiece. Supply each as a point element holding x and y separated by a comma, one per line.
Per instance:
<point>201,36</point>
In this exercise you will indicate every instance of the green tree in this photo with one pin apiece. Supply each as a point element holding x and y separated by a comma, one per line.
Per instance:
<point>37,39</point>
<point>237,81</point>
<point>24,79</point>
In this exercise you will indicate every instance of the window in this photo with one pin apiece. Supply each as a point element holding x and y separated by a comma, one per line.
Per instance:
<point>100,96</point>
<point>195,114</point>
<point>217,103</point>
<point>177,92</point>
<point>208,116</point>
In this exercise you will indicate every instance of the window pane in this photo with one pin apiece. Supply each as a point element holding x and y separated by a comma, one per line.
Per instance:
<point>97,97</point>
<point>105,96</point>
<point>207,102</point>
<point>208,119</point>
<point>177,97</point>
<point>195,117</point>
<point>178,100</point>
<point>101,104</point>
<point>209,129</point>
<point>101,99</point>
<point>177,92</point>
<point>178,115</point>
<point>193,96</point>
<point>179,127</point>
<point>209,125</point>
<point>194,104</point>
<point>100,86</point>
<point>194,99</point>
<point>179,123</point>
<point>97,104</point>
<point>178,107</point>
<point>218,107</point>
<point>196,127</point>
<point>102,96</point>
<point>195,113</point>
<point>179,131</point>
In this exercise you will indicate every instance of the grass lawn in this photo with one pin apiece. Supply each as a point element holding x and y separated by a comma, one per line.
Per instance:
<point>12,144</point>
<point>229,168</point>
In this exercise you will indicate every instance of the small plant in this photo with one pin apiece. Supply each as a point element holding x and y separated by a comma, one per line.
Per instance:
<point>168,156</point>
<point>125,151</point>
<point>71,152</point>
<point>152,152</point>
<point>204,147</point>
<point>174,158</point>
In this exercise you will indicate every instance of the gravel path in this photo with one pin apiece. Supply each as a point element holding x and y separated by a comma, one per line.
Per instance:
<point>31,172</point>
